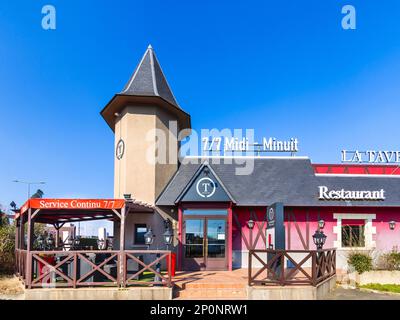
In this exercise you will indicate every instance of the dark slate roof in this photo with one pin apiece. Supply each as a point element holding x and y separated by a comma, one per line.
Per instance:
<point>149,79</point>
<point>288,180</point>
<point>147,86</point>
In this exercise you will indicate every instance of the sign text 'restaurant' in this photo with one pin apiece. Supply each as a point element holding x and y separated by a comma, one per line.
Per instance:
<point>326,194</point>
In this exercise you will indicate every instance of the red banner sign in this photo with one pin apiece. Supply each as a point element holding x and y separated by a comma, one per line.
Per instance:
<point>73,204</point>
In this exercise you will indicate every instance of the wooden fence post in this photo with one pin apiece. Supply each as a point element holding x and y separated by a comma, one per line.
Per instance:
<point>249,266</point>
<point>314,268</point>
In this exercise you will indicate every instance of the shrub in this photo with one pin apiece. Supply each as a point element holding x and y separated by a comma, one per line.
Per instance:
<point>360,261</point>
<point>390,261</point>
<point>7,247</point>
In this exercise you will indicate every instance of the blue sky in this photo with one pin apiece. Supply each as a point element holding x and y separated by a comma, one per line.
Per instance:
<point>283,68</point>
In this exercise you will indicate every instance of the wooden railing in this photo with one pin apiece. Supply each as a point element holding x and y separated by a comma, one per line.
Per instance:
<point>291,267</point>
<point>73,269</point>
<point>148,274</point>
<point>20,263</point>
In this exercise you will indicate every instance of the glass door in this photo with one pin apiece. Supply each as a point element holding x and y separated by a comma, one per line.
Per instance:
<point>216,244</point>
<point>205,243</point>
<point>194,244</point>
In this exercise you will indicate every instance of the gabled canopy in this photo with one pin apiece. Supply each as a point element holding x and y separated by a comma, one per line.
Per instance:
<point>205,185</point>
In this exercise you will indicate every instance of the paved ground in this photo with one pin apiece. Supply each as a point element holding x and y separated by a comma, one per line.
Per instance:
<point>355,294</point>
<point>338,294</point>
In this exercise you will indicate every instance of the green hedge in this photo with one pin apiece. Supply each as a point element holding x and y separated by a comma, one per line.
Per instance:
<point>7,249</point>
<point>360,261</point>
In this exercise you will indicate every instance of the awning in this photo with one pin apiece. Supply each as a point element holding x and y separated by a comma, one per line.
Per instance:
<point>73,210</point>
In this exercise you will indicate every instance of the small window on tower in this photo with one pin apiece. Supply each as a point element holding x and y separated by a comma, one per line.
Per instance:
<point>140,231</point>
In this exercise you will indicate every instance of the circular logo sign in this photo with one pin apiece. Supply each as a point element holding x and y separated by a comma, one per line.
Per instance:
<point>206,188</point>
<point>120,149</point>
<point>271,214</point>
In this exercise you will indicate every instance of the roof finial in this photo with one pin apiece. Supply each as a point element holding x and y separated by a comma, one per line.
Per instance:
<point>150,47</point>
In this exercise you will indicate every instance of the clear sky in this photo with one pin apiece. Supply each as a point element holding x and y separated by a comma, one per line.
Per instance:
<point>283,68</point>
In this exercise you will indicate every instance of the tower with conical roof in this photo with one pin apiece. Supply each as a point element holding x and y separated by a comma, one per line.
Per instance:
<point>144,117</point>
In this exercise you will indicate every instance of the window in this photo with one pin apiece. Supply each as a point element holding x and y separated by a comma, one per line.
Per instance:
<point>353,236</point>
<point>140,230</point>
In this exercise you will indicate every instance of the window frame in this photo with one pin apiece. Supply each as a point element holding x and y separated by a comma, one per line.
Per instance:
<point>350,243</point>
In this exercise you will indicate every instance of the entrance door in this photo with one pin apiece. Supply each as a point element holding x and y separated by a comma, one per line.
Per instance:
<point>205,243</point>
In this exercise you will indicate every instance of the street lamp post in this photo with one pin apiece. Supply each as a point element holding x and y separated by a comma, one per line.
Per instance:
<point>319,239</point>
<point>29,184</point>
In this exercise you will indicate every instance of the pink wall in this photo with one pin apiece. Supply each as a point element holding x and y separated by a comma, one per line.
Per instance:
<point>306,222</point>
<point>385,238</point>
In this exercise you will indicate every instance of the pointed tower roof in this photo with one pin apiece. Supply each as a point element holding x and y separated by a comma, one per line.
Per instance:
<point>147,85</point>
<point>149,79</point>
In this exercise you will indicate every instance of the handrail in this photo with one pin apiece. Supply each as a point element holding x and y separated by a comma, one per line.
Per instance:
<point>291,251</point>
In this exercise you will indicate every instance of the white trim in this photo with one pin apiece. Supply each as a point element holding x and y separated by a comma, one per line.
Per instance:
<point>355,216</point>
<point>369,229</point>
<point>153,73</point>
<point>357,175</point>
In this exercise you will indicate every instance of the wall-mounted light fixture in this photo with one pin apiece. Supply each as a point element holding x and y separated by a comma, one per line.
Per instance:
<point>392,224</point>
<point>250,224</point>
<point>321,224</point>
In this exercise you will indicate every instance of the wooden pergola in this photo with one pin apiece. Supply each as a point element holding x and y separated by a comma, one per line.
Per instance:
<point>57,212</point>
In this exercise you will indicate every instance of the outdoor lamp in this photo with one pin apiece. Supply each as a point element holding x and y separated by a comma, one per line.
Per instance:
<point>128,196</point>
<point>392,224</point>
<point>50,240</point>
<point>13,205</point>
<point>168,236</point>
<point>149,237</point>
<point>70,241</point>
<point>40,242</point>
<point>321,224</point>
<point>77,240</point>
<point>250,224</point>
<point>100,243</point>
<point>319,239</point>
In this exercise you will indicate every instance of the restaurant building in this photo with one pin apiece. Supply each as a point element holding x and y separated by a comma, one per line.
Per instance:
<point>217,215</point>
<point>210,206</point>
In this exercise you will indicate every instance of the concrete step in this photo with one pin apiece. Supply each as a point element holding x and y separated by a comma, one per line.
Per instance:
<point>211,293</point>
<point>207,285</point>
